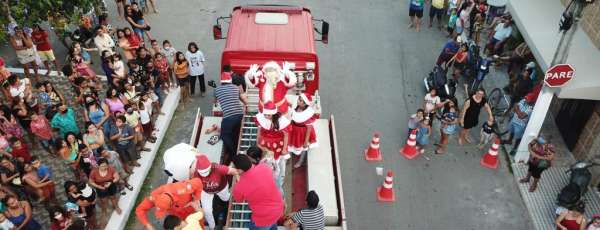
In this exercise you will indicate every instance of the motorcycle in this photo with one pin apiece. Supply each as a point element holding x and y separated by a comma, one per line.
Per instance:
<point>437,79</point>
<point>571,195</point>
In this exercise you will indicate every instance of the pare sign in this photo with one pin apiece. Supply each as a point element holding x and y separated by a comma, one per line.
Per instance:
<point>559,75</point>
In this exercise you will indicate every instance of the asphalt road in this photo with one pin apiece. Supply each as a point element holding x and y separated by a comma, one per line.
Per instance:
<point>371,80</point>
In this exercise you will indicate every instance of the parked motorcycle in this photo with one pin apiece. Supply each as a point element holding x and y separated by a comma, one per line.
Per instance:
<point>571,195</point>
<point>437,79</point>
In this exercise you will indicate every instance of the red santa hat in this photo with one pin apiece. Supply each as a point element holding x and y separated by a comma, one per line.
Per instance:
<point>269,108</point>
<point>306,97</point>
<point>225,77</point>
<point>203,165</point>
<point>271,64</point>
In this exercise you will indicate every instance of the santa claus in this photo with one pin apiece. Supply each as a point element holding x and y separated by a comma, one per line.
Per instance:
<point>273,83</point>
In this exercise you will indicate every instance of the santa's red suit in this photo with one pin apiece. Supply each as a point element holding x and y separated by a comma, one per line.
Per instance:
<point>285,79</point>
<point>269,137</point>
<point>302,122</point>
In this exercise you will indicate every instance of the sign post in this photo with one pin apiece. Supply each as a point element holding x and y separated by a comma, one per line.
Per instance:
<point>556,76</point>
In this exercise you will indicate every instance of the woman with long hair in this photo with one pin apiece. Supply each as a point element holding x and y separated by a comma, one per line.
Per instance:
<point>196,59</point>
<point>449,126</point>
<point>104,179</point>
<point>302,136</point>
<point>94,139</point>
<point>20,214</point>
<point>125,45</point>
<point>113,101</point>
<point>9,124</point>
<point>95,112</point>
<point>273,136</point>
<point>469,117</point>
<point>182,71</point>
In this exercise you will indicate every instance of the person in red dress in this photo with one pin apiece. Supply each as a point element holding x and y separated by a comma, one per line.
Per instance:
<point>273,83</point>
<point>302,136</point>
<point>273,135</point>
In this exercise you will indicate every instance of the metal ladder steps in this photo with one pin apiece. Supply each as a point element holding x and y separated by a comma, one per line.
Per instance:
<point>239,213</point>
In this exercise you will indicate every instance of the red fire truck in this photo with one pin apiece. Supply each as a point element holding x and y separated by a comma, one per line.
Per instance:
<point>257,34</point>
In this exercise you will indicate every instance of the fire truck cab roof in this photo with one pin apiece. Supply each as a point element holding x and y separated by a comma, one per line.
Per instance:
<point>271,29</point>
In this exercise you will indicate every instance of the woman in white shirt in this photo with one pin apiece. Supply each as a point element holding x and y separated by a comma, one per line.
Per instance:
<point>195,58</point>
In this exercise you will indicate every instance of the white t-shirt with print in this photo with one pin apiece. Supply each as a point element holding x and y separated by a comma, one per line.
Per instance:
<point>431,102</point>
<point>196,61</point>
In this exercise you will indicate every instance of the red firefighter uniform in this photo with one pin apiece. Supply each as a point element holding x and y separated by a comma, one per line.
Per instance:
<point>269,137</point>
<point>303,118</point>
<point>174,199</point>
<point>273,83</point>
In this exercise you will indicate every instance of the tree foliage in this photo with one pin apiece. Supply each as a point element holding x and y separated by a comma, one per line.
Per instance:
<point>28,12</point>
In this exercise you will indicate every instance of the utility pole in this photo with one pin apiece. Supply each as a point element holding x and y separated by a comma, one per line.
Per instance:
<point>544,100</point>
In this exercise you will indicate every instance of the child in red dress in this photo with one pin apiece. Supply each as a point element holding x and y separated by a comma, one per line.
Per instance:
<point>273,135</point>
<point>303,137</point>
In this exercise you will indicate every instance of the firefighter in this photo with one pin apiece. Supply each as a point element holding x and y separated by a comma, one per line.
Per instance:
<point>214,181</point>
<point>179,199</point>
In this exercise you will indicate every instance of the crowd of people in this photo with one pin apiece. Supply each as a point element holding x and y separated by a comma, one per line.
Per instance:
<point>466,21</point>
<point>99,133</point>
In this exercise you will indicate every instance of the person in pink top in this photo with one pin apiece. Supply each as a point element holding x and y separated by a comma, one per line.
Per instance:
<point>42,130</point>
<point>263,196</point>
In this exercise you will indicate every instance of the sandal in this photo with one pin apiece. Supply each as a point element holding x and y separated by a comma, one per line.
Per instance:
<point>128,186</point>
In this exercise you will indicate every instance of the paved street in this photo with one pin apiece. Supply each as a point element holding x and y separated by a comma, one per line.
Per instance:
<point>371,80</point>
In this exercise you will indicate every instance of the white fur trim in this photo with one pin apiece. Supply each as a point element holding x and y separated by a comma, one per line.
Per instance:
<point>265,123</point>
<point>299,150</point>
<point>306,100</point>
<point>300,117</point>
<point>269,111</point>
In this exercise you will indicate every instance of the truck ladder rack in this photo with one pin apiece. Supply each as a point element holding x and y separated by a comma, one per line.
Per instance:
<point>238,216</point>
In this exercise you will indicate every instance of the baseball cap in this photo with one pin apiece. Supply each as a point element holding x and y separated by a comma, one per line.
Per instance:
<point>541,140</point>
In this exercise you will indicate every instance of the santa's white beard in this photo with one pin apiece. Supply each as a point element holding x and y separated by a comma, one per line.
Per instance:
<point>268,93</point>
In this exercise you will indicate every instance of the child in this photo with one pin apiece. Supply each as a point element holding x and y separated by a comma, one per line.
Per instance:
<point>43,171</point>
<point>452,22</point>
<point>488,131</point>
<point>42,130</point>
<point>145,119</point>
<point>477,26</point>
<point>161,63</point>
<point>20,150</point>
<point>169,53</point>
<point>415,119</point>
<point>423,132</point>
<point>5,224</point>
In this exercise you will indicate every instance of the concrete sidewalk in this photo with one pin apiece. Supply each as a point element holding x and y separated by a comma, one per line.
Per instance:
<point>541,204</point>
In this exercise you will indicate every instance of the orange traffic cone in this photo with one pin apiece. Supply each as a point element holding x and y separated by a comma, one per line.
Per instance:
<point>490,159</point>
<point>372,153</point>
<point>410,149</point>
<point>385,193</point>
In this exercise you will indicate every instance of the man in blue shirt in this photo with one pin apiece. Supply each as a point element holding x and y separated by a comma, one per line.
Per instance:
<point>232,103</point>
<point>450,48</point>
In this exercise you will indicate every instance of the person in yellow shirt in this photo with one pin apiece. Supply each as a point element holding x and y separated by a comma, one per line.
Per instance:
<point>193,221</point>
<point>436,10</point>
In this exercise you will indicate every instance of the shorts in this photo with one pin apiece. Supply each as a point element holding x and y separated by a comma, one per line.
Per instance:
<point>110,191</point>
<point>415,12</point>
<point>182,81</point>
<point>436,12</point>
<point>460,66</point>
<point>26,56</point>
<point>46,55</point>
<point>459,30</point>
<point>516,130</point>
<point>535,171</point>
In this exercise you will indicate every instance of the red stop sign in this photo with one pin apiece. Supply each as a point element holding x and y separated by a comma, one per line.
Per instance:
<point>559,75</point>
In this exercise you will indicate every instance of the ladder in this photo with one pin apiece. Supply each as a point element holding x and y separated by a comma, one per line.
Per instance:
<point>238,216</point>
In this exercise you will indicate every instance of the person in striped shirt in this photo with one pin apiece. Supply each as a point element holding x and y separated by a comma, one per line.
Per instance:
<point>231,100</point>
<point>310,218</point>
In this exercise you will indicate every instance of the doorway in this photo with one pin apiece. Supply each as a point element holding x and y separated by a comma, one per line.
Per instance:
<point>572,118</point>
